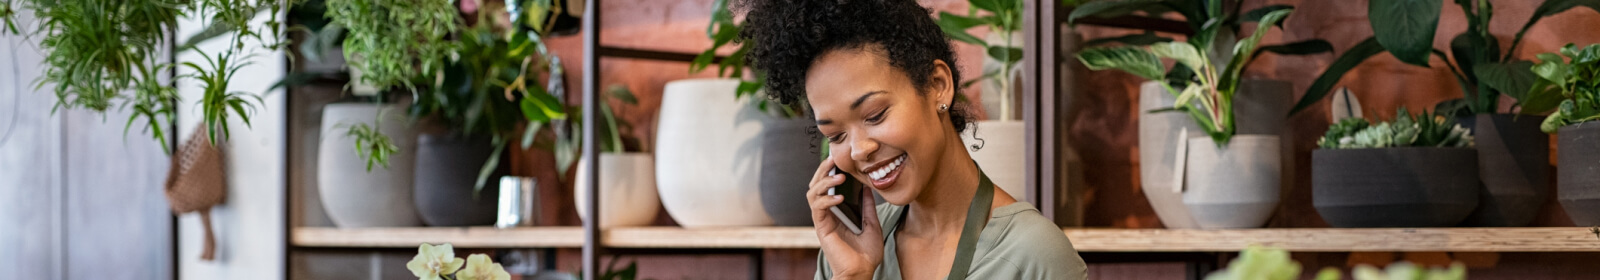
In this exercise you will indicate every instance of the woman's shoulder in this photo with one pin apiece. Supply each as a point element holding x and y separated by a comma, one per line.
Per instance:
<point>1034,244</point>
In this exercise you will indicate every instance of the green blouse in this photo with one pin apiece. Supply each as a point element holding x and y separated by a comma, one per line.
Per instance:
<point>1017,243</point>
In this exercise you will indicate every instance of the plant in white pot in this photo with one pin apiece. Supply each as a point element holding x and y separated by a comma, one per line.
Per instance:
<point>1576,80</point>
<point>627,188</point>
<point>472,85</point>
<point>1228,180</point>
<point>998,142</point>
<point>737,159</point>
<point>1258,106</point>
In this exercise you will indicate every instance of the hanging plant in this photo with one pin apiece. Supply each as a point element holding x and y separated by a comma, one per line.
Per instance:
<point>104,54</point>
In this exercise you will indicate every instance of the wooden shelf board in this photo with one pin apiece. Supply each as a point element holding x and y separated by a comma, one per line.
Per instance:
<point>1551,239</point>
<point>1557,239</point>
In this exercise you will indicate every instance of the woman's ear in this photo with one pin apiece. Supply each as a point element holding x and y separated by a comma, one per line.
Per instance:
<point>943,87</point>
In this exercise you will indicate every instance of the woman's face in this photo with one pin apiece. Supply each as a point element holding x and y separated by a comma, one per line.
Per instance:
<point>882,129</point>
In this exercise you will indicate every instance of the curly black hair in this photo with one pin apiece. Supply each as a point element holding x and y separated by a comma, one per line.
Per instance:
<point>788,35</point>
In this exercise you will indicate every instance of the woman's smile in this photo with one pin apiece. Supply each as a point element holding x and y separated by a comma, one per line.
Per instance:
<point>884,175</point>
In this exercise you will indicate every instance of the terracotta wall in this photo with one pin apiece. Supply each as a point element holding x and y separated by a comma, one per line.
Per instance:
<point>1104,126</point>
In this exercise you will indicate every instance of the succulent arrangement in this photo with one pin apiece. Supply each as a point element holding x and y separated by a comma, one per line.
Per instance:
<point>1406,130</point>
<point>1265,263</point>
<point>1576,82</point>
<point>1209,65</point>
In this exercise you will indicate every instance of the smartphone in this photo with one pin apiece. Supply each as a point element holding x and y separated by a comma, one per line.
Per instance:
<point>849,212</point>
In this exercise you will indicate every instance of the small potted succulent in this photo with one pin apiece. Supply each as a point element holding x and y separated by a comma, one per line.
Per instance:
<point>1577,83</point>
<point>1395,174</point>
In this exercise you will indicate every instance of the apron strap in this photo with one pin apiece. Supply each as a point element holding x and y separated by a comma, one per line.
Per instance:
<point>977,217</point>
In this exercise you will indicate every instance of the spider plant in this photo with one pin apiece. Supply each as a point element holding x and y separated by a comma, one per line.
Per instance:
<point>104,53</point>
<point>395,43</point>
<point>1406,28</point>
<point>1208,74</point>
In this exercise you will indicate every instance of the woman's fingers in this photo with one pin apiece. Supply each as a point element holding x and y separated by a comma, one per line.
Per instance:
<point>869,214</point>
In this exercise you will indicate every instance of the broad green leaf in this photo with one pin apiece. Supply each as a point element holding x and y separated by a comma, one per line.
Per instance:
<point>1134,60</point>
<point>1257,14</point>
<point>1244,50</point>
<point>1555,72</point>
<point>1182,52</point>
<point>947,19</point>
<point>1142,39</point>
<point>959,33</point>
<point>1005,54</point>
<point>1188,94</point>
<point>1405,27</point>
<point>1313,46</point>
<point>1513,78</point>
<point>1107,9</point>
<point>1330,77</point>
<point>988,5</point>
<point>541,108</point>
<point>1542,99</point>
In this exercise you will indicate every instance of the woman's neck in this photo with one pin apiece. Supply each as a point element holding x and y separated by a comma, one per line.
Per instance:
<point>943,203</point>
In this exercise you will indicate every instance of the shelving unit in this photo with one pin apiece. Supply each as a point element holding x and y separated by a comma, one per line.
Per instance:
<point>1541,239</point>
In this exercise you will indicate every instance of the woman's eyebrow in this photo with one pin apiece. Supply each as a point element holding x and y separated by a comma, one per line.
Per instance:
<point>863,98</point>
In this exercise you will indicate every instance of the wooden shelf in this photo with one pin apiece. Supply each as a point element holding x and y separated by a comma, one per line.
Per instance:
<point>1556,239</point>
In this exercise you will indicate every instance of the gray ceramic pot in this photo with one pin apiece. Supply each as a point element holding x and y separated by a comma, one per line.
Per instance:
<point>1235,185</point>
<point>786,168</point>
<point>1260,108</point>
<point>447,168</point>
<point>1394,187</point>
<point>1514,164</point>
<point>1579,172</point>
<point>352,195</point>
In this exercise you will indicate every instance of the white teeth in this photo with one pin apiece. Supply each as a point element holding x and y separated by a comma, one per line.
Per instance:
<point>878,175</point>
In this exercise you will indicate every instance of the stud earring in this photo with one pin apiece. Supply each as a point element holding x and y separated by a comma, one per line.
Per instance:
<point>944,107</point>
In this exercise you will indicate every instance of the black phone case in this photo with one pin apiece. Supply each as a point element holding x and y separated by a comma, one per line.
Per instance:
<point>849,212</point>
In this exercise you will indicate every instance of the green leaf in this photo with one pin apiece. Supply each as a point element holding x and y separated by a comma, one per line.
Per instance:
<point>1184,53</point>
<point>1244,50</point>
<point>1107,9</point>
<point>1142,39</point>
<point>1257,14</point>
<point>1405,27</point>
<point>1330,77</point>
<point>1513,78</point>
<point>1005,54</point>
<point>1548,8</point>
<point>1313,46</point>
<point>959,33</point>
<point>947,19</point>
<point>541,108</point>
<point>1542,99</point>
<point>987,5</point>
<point>1134,60</point>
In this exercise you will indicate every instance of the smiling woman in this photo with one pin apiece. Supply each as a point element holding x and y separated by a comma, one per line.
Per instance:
<point>880,78</point>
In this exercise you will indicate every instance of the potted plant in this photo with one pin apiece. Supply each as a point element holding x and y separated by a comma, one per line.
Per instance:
<point>1577,83</point>
<point>1001,84</point>
<point>751,173</point>
<point>628,186</point>
<point>1395,174</point>
<point>1230,179</point>
<point>1513,156</point>
<point>470,89</point>
<point>1258,107</point>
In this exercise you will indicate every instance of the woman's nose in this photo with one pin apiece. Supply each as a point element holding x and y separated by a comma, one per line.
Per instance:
<point>861,149</point>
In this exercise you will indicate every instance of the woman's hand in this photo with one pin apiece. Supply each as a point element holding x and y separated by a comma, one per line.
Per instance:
<point>850,255</point>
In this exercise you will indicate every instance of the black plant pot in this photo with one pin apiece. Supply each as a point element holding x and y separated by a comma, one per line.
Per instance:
<point>447,167</point>
<point>1579,175</point>
<point>1394,187</point>
<point>1514,164</point>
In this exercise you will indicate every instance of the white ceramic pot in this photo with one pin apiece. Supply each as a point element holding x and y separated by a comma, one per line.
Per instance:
<point>1233,186</point>
<point>711,150</point>
<point>353,196</point>
<point>1158,154</point>
<point>628,190</point>
<point>1001,155</point>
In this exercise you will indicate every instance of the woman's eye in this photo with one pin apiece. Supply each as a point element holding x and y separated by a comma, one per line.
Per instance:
<point>877,117</point>
<point>836,138</point>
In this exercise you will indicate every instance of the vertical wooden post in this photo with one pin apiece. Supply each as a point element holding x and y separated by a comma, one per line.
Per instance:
<point>1038,97</point>
<point>591,101</point>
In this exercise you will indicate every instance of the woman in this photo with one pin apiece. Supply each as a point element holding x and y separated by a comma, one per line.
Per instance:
<point>881,81</point>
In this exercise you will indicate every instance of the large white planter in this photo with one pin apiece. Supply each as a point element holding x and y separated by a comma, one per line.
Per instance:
<point>627,190</point>
<point>1233,186</point>
<point>1158,154</point>
<point>1001,155</point>
<point>710,148</point>
<point>353,196</point>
